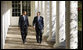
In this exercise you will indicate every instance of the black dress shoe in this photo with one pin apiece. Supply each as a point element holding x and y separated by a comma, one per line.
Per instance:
<point>24,41</point>
<point>37,41</point>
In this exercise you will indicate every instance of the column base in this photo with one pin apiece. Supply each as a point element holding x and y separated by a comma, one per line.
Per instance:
<point>49,39</point>
<point>44,34</point>
<point>56,45</point>
<point>44,38</point>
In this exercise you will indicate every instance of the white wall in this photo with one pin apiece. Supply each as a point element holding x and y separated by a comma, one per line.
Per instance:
<point>5,19</point>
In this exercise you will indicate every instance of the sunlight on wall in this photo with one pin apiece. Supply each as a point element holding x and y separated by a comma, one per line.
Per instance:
<point>5,13</point>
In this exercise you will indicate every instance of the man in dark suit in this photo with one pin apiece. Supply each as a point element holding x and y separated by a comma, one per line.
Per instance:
<point>38,25</point>
<point>23,23</point>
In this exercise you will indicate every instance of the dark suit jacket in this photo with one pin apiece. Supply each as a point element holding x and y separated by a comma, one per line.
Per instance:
<point>22,22</point>
<point>38,24</point>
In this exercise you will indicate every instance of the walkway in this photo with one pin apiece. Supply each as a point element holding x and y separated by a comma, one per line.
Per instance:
<point>14,41</point>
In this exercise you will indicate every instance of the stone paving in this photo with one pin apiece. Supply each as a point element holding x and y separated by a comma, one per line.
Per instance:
<point>14,41</point>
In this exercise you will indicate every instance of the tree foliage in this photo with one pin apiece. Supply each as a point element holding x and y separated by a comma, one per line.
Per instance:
<point>80,14</point>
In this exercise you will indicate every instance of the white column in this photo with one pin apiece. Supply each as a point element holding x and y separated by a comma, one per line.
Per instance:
<point>21,7</point>
<point>57,25</point>
<point>36,7</point>
<point>50,22</point>
<point>53,20</point>
<point>33,10</point>
<point>41,8</point>
<point>72,25</point>
<point>62,23</point>
<point>44,34</point>
<point>46,20</point>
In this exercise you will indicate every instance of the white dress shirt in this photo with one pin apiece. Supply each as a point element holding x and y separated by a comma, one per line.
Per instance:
<point>24,17</point>
<point>38,18</point>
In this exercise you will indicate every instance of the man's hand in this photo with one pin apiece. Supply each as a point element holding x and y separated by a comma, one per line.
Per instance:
<point>34,26</point>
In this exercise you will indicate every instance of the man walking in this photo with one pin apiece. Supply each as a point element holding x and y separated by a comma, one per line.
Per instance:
<point>23,23</point>
<point>38,25</point>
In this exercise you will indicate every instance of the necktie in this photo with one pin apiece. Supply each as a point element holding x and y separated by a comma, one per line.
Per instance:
<point>24,18</point>
<point>38,18</point>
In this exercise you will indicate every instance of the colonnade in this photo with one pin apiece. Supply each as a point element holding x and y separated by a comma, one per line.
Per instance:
<point>63,18</point>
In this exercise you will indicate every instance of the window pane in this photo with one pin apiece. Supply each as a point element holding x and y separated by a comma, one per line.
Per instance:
<point>15,14</point>
<point>12,14</point>
<point>26,6</point>
<point>18,6</point>
<point>18,14</point>
<point>15,8</point>
<point>12,10</point>
<point>18,10</point>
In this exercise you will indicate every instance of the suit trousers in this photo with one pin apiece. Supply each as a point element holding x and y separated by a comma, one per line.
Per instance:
<point>38,35</point>
<point>24,33</point>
